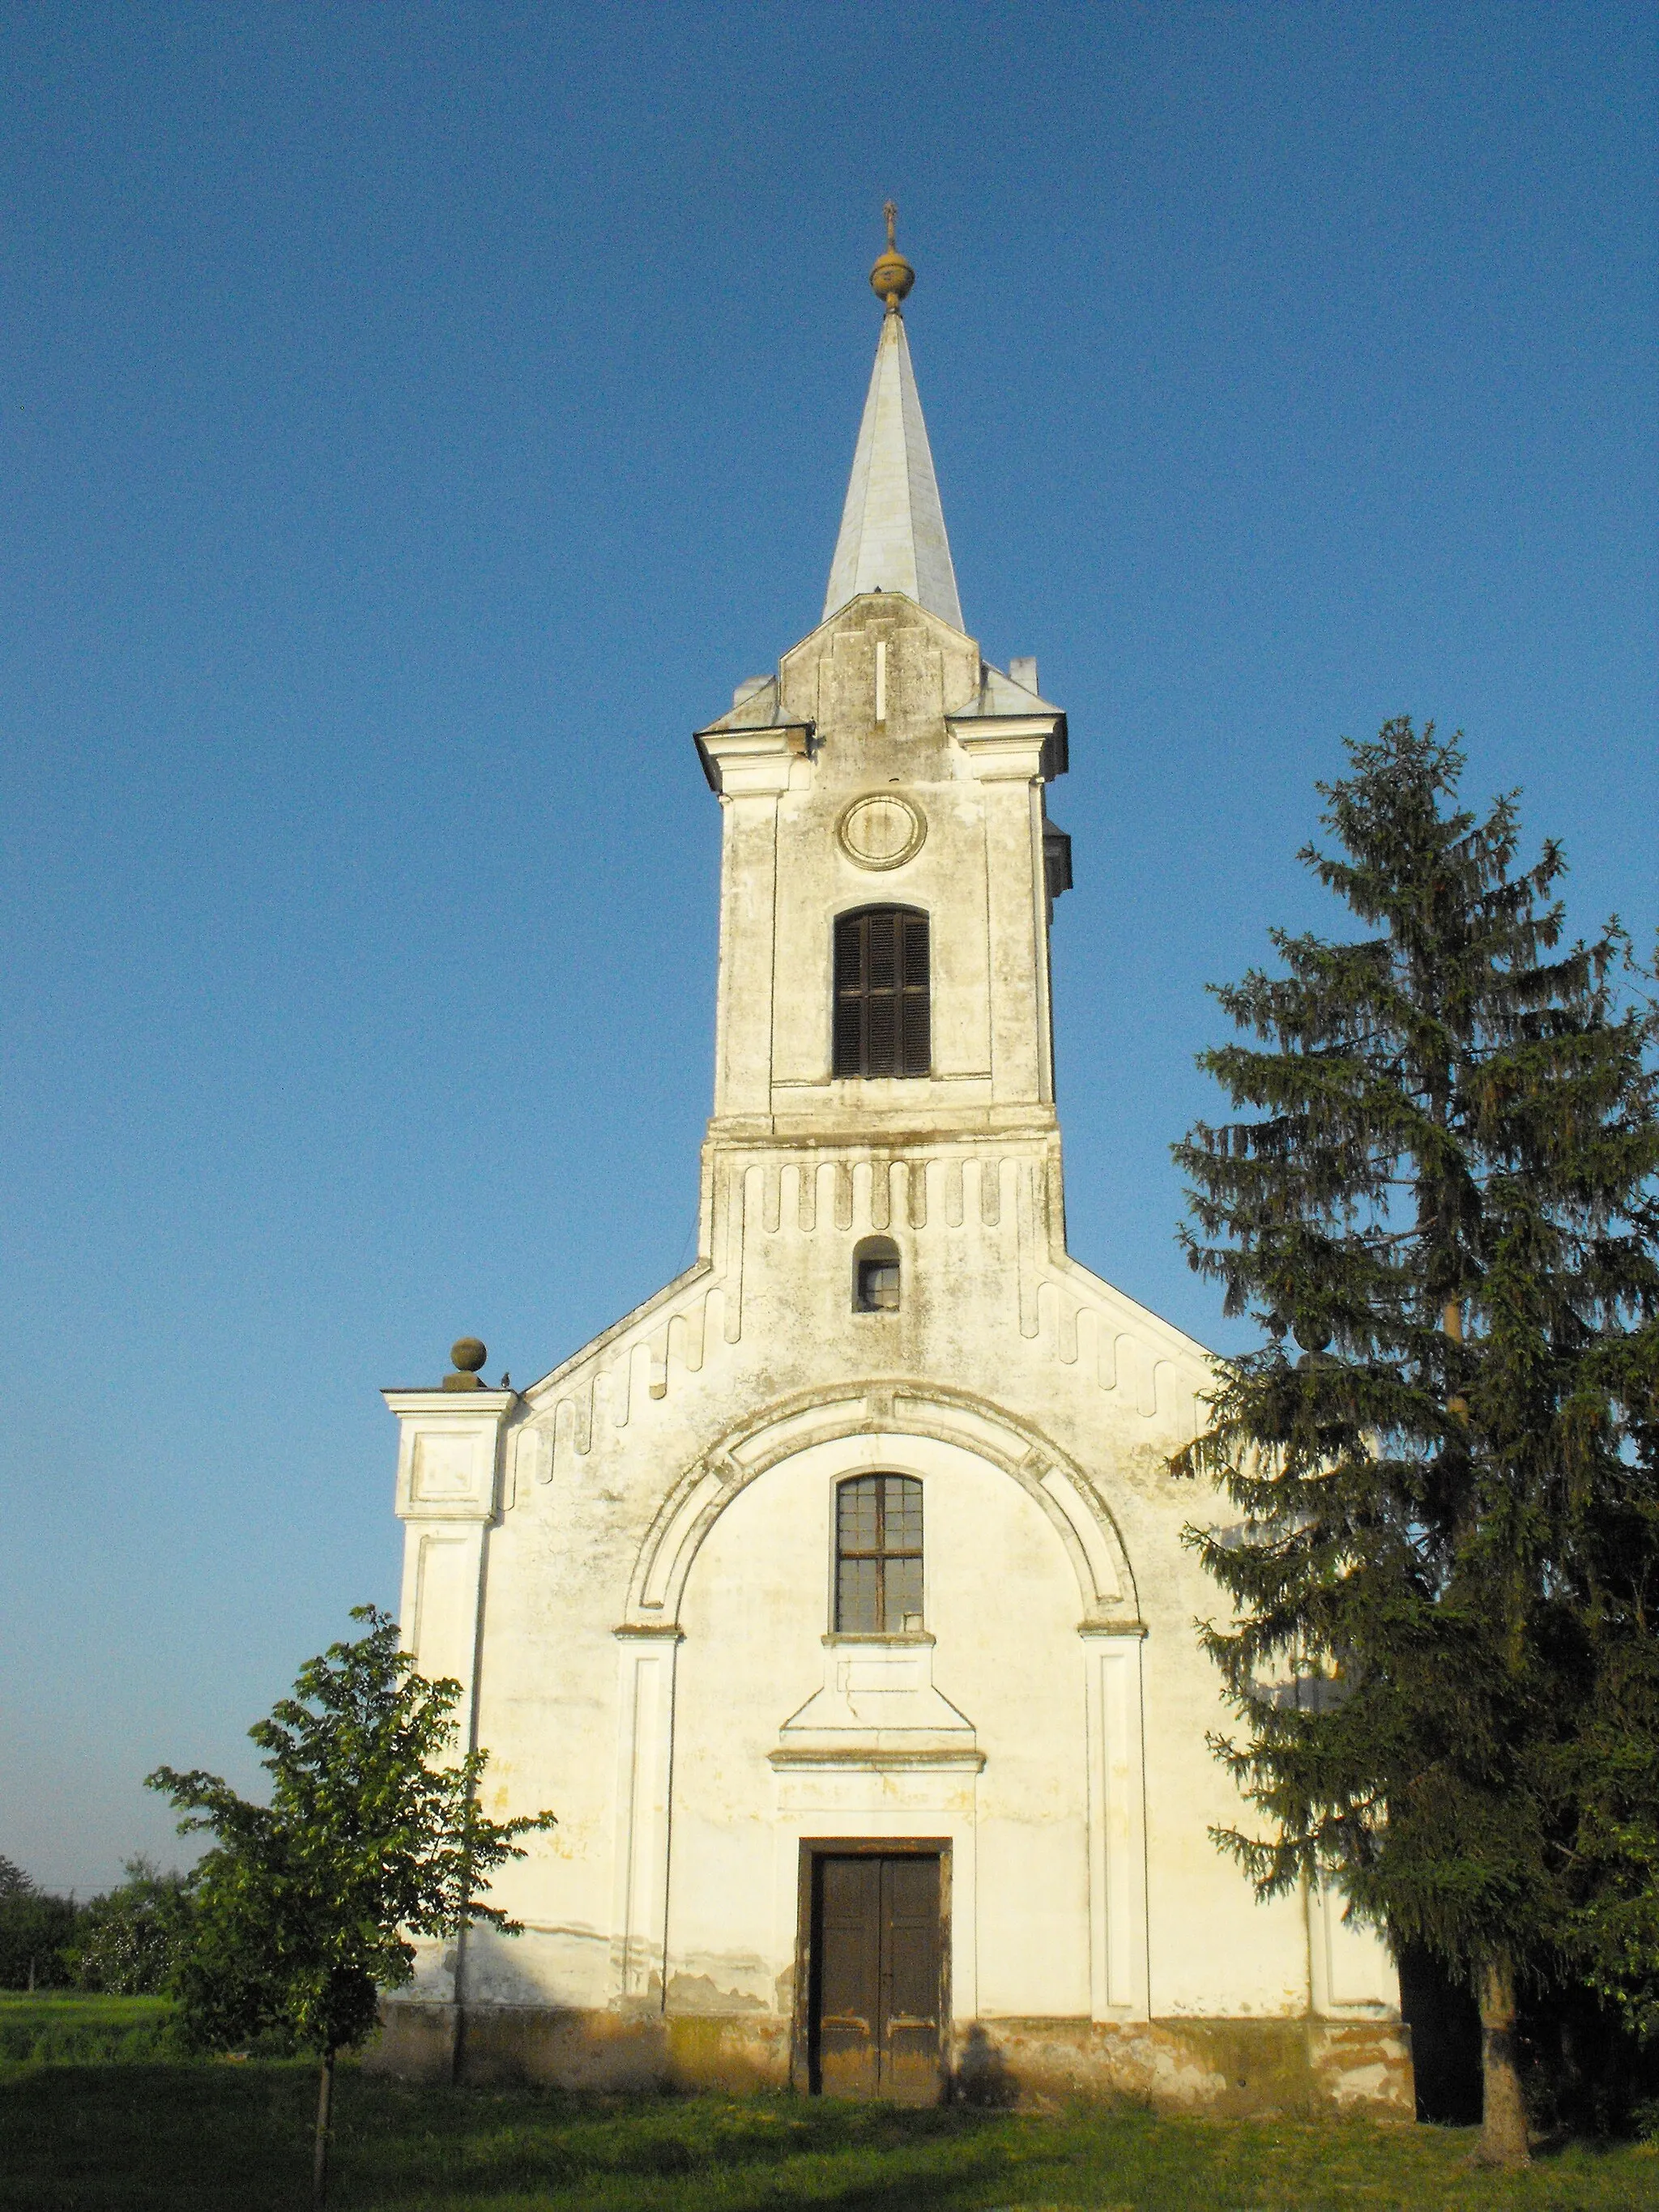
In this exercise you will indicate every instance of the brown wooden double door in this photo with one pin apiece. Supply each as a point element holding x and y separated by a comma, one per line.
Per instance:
<point>875,1984</point>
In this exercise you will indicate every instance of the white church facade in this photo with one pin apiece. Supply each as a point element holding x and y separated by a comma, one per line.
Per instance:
<point>835,1599</point>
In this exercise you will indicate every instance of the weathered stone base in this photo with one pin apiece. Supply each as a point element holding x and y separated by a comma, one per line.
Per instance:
<point>1235,2069</point>
<point>1229,2068</point>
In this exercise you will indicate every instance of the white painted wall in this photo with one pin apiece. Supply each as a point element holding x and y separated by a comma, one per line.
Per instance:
<point>646,1534</point>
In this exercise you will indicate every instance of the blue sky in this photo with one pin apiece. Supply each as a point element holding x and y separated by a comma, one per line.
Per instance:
<point>415,419</point>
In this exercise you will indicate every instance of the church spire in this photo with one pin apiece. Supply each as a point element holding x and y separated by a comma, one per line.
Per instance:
<point>892,528</point>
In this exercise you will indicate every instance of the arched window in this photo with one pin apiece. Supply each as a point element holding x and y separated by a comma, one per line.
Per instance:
<point>875,1275</point>
<point>877,1555</point>
<point>882,1023</point>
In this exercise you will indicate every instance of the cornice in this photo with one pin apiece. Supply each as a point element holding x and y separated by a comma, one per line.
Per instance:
<point>1012,748</point>
<point>458,1404</point>
<point>871,1758</point>
<point>751,764</point>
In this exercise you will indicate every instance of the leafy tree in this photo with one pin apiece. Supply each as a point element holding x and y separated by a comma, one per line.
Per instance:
<point>1447,1564</point>
<point>126,1943</point>
<point>34,1929</point>
<point>304,1909</point>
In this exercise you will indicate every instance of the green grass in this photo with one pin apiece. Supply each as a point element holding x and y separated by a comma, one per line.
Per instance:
<point>70,2026</point>
<point>233,2138</point>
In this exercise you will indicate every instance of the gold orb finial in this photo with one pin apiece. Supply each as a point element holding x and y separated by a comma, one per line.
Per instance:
<point>893,277</point>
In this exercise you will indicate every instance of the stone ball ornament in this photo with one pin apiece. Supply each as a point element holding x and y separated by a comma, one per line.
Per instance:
<point>881,830</point>
<point>469,1354</point>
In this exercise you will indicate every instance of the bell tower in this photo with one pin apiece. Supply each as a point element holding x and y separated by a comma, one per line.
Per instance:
<point>889,868</point>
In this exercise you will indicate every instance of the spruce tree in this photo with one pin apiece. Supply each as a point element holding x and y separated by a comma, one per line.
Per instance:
<point>1441,1187</point>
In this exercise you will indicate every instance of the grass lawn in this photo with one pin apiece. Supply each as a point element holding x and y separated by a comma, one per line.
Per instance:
<point>69,2025</point>
<point>233,2138</point>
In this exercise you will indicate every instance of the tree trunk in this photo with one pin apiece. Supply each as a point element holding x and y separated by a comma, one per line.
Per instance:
<point>319,2148</point>
<point>1451,1321</point>
<point>1504,2112</point>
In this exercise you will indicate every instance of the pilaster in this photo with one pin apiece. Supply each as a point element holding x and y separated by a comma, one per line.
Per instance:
<point>1009,757</point>
<point>645,1761</point>
<point>1118,1980</point>
<point>1352,1972</point>
<point>449,1454</point>
<point>749,770</point>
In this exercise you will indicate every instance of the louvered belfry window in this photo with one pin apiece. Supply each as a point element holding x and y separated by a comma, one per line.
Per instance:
<point>878,1555</point>
<point>883,972</point>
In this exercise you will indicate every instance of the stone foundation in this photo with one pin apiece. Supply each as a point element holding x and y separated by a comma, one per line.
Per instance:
<point>1232,2069</point>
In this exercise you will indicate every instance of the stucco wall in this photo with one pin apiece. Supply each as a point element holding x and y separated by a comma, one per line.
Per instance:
<point>629,1566</point>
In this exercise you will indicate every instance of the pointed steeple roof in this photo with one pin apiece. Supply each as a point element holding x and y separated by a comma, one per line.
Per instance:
<point>892,528</point>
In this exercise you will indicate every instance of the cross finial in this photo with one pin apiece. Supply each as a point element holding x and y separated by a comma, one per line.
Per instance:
<point>893,275</point>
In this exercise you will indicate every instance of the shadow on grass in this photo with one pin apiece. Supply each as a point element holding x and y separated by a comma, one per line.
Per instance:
<point>847,2155</point>
<point>220,2138</point>
<point>186,2136</point>
<point>190,2137</point>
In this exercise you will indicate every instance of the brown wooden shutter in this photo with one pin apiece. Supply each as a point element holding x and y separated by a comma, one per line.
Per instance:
<point>881,1023</point>
<point>881,976</point>
<point>849,995</point>
<point>915,1028</point>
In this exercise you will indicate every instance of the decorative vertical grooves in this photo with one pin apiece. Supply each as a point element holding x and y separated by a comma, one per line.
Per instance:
<point>988,1185</point>
<point>1087,1346</point>
<point>738,1207</point>
<point>534,1456</point>
<point>1162,1392</point>
<point>803,1195</point>
<point>953,1194</point>
<point>684,1352</point>
<point>1053,1186</point>
<point>916,1175</point>
<point>1025,1233</point>
<point>1066,1343</point>
<point>641,1375</point>
<point>878,1182</point>
<point>1105,1354</point>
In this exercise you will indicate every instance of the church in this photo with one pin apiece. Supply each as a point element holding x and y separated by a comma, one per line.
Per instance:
<point>835,1599</point>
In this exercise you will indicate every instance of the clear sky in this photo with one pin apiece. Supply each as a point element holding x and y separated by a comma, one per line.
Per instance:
<point>415,419</point>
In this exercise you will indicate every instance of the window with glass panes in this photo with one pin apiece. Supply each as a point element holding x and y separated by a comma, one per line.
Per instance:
<point>878,1555</point>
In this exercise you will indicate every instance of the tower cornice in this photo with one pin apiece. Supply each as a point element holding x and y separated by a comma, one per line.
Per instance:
<point>751,764</point>
<point>1022,748</point>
